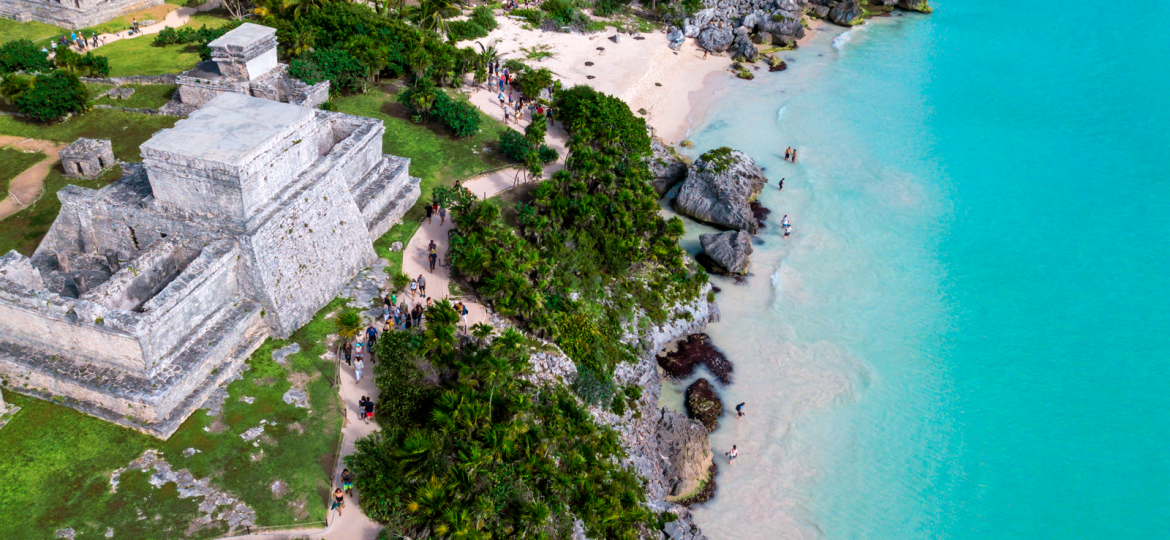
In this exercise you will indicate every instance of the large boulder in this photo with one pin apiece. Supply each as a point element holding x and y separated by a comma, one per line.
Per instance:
<point>915,5</point>
<point>730,251</point>
<point>743,50</point>
<point>714,39</point>
<point>666,167</point>
<point>696,349</point>
<point>719,189</point>
<point>686,449</point>
<point>703,404</point>
<point>847,13</point>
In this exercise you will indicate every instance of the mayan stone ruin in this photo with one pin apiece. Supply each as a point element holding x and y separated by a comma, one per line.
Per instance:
<point>87,158</point>
<point>242,221</point>
<point>243,61</point>
<point>71,14</point>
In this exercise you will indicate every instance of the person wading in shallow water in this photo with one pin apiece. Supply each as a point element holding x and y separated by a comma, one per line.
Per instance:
<point>732,454</point>
<point>781,185</point>
<point>739,410</point>
<point>788,153</point>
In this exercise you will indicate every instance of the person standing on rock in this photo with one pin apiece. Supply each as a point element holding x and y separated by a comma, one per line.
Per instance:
<point>732,454</point>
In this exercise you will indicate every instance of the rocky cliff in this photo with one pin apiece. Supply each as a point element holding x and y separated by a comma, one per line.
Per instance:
<point>719,189</point>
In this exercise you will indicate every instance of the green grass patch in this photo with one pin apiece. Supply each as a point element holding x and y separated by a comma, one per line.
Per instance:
<point>14,162</point>
<point>57,461</point>
<point>136,56</point>
<point>35,31</point>
<point>436,156</point>
<point>96,89</point>
<point>146,96</point>
<point>125,22</point>
<point>23,231</point>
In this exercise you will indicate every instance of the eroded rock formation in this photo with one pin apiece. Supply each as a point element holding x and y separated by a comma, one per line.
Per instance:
<point>719,189</point>
<point>703,404</point>
<point>726,252</point>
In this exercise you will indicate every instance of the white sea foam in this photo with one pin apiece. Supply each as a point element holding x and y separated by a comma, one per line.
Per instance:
<point>842,40</point>
<point>780,113</point>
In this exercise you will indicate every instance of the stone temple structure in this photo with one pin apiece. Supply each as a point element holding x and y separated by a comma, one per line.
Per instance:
<point>243,61</point>
<point>242,221</point>
<point>71,14</point>
<point>87,158</point>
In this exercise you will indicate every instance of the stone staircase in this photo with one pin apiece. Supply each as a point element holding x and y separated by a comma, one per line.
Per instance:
<point>385,193</point>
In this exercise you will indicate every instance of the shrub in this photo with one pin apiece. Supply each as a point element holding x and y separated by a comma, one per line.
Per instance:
<point>483,16</point>
<point>93,65</point>
<point>199,37</point>
<point>53,96</point>
<point>344,72</point>
<point>605,8</point>
<point>531,81</point>
<point>547,154</point>
<point>401,281</point>
<point>515,66</point>
<point>461,116</point>
<point>23,55</point>
<point>593,387</point>
<point>465,30</point>
<point>513,145</point>
<point>532,16</point>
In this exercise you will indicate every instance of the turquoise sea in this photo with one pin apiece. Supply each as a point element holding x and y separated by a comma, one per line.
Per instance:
<point>968,334</point>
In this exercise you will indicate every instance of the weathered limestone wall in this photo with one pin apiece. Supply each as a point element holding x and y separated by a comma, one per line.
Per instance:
<point>19,269</point>
<point>142,277</point>
<point>47,321</point>
<point>306,251</point>
<point>71,14</point>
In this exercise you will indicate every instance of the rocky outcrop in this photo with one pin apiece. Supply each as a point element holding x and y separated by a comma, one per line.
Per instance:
<point>719,188</point>
<point>666,167</point>
<point>686,453</point>
<point>714,39</point>
<point>703,404</point>
<point>726,252</point>
<point>847,13</point>
<point>742,48</point>
<point>920,6</point>
<point>775,63</point>
<point>696,349</point>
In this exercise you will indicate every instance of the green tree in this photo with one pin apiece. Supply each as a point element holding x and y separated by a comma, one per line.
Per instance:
<point>344,72</point>
<point>53,96</point>
<point>23,55</point>
<point>349,323</point>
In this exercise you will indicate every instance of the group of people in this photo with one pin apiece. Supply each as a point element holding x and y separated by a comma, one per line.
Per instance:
<point>790,154</point>
<point>514,106</point>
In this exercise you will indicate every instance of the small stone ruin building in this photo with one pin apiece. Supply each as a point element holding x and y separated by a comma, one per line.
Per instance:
<point>71,14</point>
<point>243,61</point>
<point>87,158</point>
<point>242,221</point>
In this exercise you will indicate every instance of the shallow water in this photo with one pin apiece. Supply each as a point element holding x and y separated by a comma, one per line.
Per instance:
<point>965,335</point>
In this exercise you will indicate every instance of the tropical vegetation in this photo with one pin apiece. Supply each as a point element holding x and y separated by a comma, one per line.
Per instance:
<point>470,449</point>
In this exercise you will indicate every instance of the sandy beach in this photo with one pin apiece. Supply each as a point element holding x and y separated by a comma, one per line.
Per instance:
<point>673,87</point>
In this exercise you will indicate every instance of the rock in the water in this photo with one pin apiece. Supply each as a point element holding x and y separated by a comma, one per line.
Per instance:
<point>760,213</point>
<point>714,39</point>
<point>696,349</point>
<point>776,64</point>
<point>719,187</point>
<point>731,250</point>
<point>687,451</point>
<point>703,404</point>
<point>915,5</point>
<point>666,167</point>
<point>847,13</point>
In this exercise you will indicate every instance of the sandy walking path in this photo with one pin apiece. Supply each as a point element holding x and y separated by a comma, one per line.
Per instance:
<point>174,19</point>
<point>415,263</point>
<point>487,185</point>
<point>26,187</point>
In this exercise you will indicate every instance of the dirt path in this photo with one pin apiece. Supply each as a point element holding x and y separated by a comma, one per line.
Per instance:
<point>174,19</point>
<point>487,185</point>
<point>26,187</point>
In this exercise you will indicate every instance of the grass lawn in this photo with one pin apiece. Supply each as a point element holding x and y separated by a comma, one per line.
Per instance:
<point>10,30</point>
<point>23,231</point>
<point>56,471</point>
<point>436,156</point>
<point>136,56</point>
<point>96,89</point>
<point>146,96</point>
<point>14,162</point>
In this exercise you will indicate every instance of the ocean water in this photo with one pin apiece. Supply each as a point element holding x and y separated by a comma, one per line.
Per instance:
<point>966,337</point>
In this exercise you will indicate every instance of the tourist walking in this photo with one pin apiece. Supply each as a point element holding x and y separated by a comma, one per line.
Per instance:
<point>371,338</point>
<point>357,369</point>
<point>338,501</point>
<point>430,214</point>
<point>732,454</point>
<point>422,285</point>
<point>347,350</point>
<point>739,410</point>
<point>413,288</point>
<point>433,255</point>
<point>442,215</point>
<point>358,349</point>
<point>347,482</point>
<point>368,411</point>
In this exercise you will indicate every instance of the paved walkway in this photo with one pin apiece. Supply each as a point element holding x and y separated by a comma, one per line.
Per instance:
<point>174,19</point>
<point>25,188</point>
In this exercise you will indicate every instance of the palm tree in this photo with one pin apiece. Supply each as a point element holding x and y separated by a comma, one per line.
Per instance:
<point>432,15</point>
<point>349,323</point>
<point>482,331</point>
